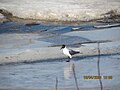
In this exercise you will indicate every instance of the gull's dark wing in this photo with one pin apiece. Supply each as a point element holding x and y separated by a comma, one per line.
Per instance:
<point>72,52</point>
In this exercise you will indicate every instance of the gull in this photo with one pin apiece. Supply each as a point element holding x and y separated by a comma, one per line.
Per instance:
<point>68,52</point>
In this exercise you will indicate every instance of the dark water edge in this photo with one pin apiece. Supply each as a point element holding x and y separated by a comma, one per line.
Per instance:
<point>33,27</point>
<point>40,27</point>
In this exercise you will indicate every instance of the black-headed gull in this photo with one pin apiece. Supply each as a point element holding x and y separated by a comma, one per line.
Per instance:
<point>68,52</point>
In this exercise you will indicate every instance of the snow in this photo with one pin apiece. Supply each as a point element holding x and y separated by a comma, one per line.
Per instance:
<point>69,10</point>
<point>1,16</point>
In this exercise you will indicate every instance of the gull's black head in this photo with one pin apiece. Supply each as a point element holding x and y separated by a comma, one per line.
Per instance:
<point>63,46</point>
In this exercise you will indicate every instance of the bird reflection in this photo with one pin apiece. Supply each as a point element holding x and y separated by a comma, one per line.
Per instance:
<point>68,70</point>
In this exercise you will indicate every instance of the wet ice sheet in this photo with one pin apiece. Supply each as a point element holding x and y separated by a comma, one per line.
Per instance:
<point>20,47</point>
<point>17,27</point>
<point>64,39</point>
<point>43,75</point>
<point>102,34</point>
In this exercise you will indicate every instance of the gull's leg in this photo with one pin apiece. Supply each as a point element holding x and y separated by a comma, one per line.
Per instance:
<point>68,59</point>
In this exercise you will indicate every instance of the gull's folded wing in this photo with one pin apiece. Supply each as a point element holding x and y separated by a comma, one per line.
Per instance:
<point>72,52</point>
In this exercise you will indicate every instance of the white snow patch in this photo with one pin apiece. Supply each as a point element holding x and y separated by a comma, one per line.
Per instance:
<point>1,16</point>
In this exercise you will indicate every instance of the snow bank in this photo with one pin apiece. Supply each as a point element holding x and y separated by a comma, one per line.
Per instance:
<point>66,10</point>
<point>2,18</point>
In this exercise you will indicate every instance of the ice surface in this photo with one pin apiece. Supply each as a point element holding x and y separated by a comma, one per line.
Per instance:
<point>22,47</point>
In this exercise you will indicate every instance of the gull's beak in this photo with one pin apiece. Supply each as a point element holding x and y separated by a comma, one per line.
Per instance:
<point>61,48</point>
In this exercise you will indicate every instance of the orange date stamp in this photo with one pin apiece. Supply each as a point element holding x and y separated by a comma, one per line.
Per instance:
<point>97,77</point>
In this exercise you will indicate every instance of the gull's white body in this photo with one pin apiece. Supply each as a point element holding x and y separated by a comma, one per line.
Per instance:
<point>66,52</point>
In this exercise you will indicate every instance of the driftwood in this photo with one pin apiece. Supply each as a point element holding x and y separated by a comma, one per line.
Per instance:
<point>106,26</point>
